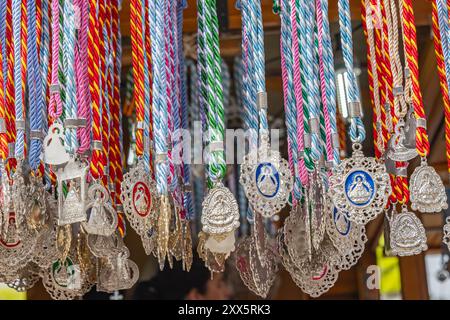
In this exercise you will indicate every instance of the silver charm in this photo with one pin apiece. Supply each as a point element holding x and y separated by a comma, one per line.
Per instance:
<point>19,195</point>
<point>71,207</point>
<point>138,190</point>
<point>360,186</point>
<point>398,149</point>
<point>347,237</point>
<point>220,211</point>
<point>317,200</point>
<point>297,236</point>
<point>427,190</point>
<point>118,272</point>
<point>446,232</point>
<point>102,216</point>
<point>37,214</point>
<point>54,151</point>
<point>63,280</point>
<point>267,179</point>
<point>407,235</point>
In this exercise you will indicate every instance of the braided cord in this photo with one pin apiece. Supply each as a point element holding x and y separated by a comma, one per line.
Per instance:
<point>69,43</point>
<point>137,47</point>
<point>19,68</point>
<point>289,92</point>
<point>55,97</point>
<point>160,115</point>
<point>94,86</point>
<point>410,42</point>
<point>297,78</point>
<point>304,27</point>
<point>148,129</point>
<point>441,47</point>
<point>34,82</point>
<point>3,58</point>
<point>215,108</point>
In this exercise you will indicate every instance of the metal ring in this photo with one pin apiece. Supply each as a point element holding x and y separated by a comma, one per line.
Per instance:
<point>314,125</point>
<point>421,123</point>
<point>97,145</point>
<point>307,140</point>
<point>261,100</point>
<point>161,157</point>
<point>73,123</point>
<point>335,140</point>
<point>3,125</point>
<point>216,146</point>
<point>397,91</point>
<point>54,88</point>
<point>36,135</point>
<point>140,125</point>
<point>20,125</point>
<point>11,150</point>
<point>354,109</point>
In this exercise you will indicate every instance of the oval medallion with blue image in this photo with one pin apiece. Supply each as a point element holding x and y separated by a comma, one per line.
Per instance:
<point>341,222</point>
<point>267,179</point>
<point>359,188</point>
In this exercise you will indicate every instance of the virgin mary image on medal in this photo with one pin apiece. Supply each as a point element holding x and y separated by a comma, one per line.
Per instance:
<point>267,180</point>
<point>359,188</point>
<point>427,190</point>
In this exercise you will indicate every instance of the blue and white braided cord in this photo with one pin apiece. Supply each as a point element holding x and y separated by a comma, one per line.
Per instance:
<point>160,117</point>
<point>16,17</point>
<point>330,77</point>
<point>357,130</point>
<point>69,45</point>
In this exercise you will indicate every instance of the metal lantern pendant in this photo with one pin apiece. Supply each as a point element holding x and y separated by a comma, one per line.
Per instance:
<point>360,186</point>
<point>71,206</point>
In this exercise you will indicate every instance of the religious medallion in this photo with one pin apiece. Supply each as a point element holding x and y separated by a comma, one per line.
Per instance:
<point>360,186</point>
<point>407,235</point>
<point>427,190</point>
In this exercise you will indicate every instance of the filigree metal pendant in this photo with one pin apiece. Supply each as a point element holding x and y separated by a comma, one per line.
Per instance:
<point>398,149</point>
<point>63,280</point>
<point>138,190</point>
<point>27,278</point>
<point>71,208</point>
<point>316,204</point>
<point>347,237</point>
<point>102,216</point>
<point>19,195</point>
<point>360,186</point>
<point>118,272</point>
<point>37,214</point>
<point>427,190</point>
<point>408,235</point>
<point>267,180</point>
<point>296,235</point>
<point>220,211</point>
<point>446,232</point>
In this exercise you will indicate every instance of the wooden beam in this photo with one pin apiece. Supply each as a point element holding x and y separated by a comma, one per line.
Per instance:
<point>413,277</point>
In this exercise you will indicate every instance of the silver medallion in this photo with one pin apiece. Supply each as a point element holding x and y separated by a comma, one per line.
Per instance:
<point>360,186</point>
<point>347,237</point>
<point>407,236</point>
<point>446,232</point>
<point>138,190</point>
<point>220,211</point>
<point>427,192</point>
<point>102,216</point>
<point>267,180</point>
<point>397,146</point>
<point>71,207</point>
<point>63,280</point>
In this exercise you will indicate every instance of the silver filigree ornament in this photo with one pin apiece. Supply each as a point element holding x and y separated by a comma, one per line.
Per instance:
<point>446,232</point>
<point>267,179</point>
<point>71,207</point>
<point>63,280</point>
<point>138,191</point>
<point>398,149</point>
<point>37,215</point>
<point>19,195</point>
<point>360,186</point>
<point>407,234</point>
<point>316,204</point>
<point>102,215</point>
<point>348,238</point>
<point>118,272</point>
<point>427,191</point>
<point>220,218</point>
